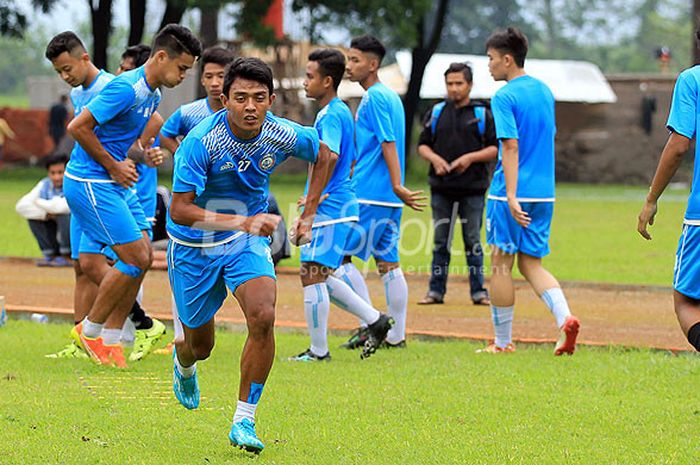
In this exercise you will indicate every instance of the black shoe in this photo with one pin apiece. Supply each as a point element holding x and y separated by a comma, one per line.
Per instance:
<point>308,356</point>
<point>357,340</point>
<point>377,332</point>
<point>398,345</point>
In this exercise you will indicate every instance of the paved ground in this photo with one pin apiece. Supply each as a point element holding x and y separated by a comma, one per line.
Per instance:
<point>617,315</point>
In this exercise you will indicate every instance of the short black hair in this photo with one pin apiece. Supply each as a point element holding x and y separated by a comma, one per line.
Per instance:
<point>463,68</point>
<point>139,53</point>
<point>253,69</point>
<point>176,40</point>
<point>66,41</point>
<point>217,55</point>
<point>330,63</point>
<point>369,44</point>
<point>56,159</point>
<point>512,41</point>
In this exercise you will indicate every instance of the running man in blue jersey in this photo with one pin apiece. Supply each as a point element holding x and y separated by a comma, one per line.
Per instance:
<point>378,180</point>
<point>218,225</point>
<point>683,121</point>
<point>337,213</point>
<point>99,178</point>
<point>213,63</point>
<point>71,61</point>
<point>140,331</point>
<point>521,197</point>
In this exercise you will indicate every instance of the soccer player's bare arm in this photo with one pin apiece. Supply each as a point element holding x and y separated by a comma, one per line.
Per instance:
<point>319,175</point>
<point>414,199</point>
<point>82,130</point>
<point>671,158</point>
<point>184,211</point>
<point>510,158</point>
<point>169,143</point>
<point>142,150</point>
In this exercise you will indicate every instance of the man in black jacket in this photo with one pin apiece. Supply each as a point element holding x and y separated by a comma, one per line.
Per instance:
<point>459,140</point>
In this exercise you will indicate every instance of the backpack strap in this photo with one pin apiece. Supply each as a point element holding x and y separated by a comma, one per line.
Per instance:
<point>435,115</point>
<point>480,113</point>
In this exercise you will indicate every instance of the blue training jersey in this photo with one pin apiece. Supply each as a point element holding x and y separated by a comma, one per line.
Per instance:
<point>231,175</point>
<point>683,119</point>
<point>81,96</point>
<point>523,109</point>
<point>121,110</point>
<point>336,128</point>
<point>185,118</point>
<point>380,118</point>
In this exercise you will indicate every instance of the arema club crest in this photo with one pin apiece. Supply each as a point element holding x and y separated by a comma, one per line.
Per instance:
<point>267,162</point>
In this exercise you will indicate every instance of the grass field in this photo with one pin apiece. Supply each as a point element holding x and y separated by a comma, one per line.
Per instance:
<point>594,234</point>
<point>434,403</point>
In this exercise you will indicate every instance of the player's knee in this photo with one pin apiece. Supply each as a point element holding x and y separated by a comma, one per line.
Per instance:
<point>79,273</point>
<point>132,270</point>
<point>261,319</point>
<point>202,351</point>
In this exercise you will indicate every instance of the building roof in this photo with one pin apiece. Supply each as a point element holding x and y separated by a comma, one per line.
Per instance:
<point>570,81</point>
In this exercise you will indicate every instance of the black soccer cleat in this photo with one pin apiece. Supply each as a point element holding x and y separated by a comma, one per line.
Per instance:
<point>357,340</point>
<point>376,333</point>
<point>389,345</point>
<point>308,356</point>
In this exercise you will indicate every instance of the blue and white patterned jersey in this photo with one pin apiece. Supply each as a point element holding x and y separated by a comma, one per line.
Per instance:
<point>121,110</point>
<point>185,118</point>
<point>231,175</point>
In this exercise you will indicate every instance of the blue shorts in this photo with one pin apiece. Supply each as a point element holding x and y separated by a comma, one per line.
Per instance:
<point>328,244</point>
<point>107,212</point>
<point>376,234</point>
<point>505,233</point>
<point>82,243</point>
<point>199,276</point>
<point>686,271</point>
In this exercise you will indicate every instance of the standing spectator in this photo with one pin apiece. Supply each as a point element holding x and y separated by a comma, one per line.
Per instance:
<point>5,131</point>
<point>57,120</point>
<point>458,140</point>
<point>49,216</point>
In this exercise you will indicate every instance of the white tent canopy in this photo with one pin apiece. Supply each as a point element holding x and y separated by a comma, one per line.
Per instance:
<point>570,81</point>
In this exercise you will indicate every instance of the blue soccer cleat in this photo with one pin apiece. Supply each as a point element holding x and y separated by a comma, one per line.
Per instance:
<point>243,436</point>
<point>186,389</point>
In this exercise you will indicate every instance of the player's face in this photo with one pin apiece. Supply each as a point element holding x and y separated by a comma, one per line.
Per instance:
<point>247,104</point>
<point>458,88</point>
<point>359,65</point>
<point>497,64</point>
<point>127,64</point>
<point>172,71</point>
<point>213,79</point>
<point>71,68</point>
<point>55,173</point>
<point>314,82</point>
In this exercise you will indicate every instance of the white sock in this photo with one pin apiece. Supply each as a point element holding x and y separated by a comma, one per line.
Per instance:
<point>317,305</point>
<point>178,331</point>
<point>502,325</point>
<point>128,333</point>
<point>186,372</point>
<point>556,302</point>
<point>396,291</point>
<point>111,336</point>
<point>351,276</point>
<point>92,330</point>
<point>244,410</point>
<point>344,297</point>
<point>139,295</point>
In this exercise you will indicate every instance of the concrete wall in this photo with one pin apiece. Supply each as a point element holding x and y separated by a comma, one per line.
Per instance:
<point>605,143</point>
